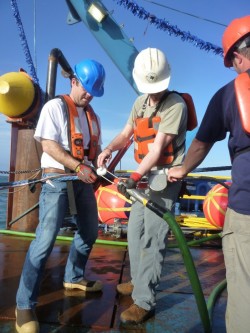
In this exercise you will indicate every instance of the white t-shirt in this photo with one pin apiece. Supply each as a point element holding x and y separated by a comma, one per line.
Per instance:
<point>52,125</point>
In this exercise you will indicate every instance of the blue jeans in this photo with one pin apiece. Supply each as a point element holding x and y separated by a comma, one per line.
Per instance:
<point>53,206</point>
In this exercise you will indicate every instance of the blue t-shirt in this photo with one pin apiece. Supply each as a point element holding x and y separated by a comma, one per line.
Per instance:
<point>222,116</point>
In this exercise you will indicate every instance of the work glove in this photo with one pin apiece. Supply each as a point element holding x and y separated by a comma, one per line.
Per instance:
<point>85,173</point>
<point>129,183</point>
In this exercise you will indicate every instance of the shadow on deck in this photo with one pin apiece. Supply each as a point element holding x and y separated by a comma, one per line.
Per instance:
<point>75,311</point>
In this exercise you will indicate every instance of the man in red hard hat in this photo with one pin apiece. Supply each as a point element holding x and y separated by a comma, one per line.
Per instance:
<point>228,112</point>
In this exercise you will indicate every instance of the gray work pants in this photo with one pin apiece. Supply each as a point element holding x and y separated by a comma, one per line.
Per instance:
<point>236,250</point>
<point>147,242</point>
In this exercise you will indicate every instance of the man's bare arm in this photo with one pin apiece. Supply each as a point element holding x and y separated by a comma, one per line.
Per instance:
<point>53,149</point>
<point>195,155</point>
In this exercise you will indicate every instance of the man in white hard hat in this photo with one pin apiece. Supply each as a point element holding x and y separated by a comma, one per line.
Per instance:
<point>228,112</point>
<point>158,121</point>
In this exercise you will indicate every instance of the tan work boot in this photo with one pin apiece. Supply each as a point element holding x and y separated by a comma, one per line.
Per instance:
<point>26,321</point>
<point>85,285</point>
<point>125,289</point>
<point>135,315</point>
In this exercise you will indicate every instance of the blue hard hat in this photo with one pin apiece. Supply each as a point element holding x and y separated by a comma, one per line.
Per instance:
<point>91,75</point>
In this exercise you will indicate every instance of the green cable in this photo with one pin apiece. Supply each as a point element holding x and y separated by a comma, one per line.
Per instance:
<point>187,257</point>
<point>61,238</point>
<point>214,295</point>
<point>108,242</point>
<point>198,241</point>
<point>191,270</point>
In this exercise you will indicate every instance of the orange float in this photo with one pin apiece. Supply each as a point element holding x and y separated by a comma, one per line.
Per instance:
<point>215,205</point>
<point>111,204</point>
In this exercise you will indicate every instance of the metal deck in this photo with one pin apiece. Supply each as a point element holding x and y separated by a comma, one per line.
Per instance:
<point>75,311</point>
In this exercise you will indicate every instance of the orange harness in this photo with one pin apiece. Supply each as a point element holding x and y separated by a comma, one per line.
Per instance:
<point>76,140</point>
<point>145,131</point>
<point>242,92</point>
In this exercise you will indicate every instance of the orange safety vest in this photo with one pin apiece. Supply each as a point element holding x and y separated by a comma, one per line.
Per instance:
<point>75,136</point>
<point>242,92</point>
<point>145,131</point>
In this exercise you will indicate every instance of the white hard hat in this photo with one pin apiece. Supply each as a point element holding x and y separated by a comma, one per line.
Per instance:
<point>151,71</point>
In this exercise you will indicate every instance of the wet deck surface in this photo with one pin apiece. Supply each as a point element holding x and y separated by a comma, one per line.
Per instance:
<point>74,311</point>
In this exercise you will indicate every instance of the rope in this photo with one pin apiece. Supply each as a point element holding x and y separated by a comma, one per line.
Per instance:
<point>24,41</point>
<point>61,178</point>
<point>72,176</point>
<point>164,25</point>
<point>136,10</point>
<point>19,171</point>
<point>34,39</point>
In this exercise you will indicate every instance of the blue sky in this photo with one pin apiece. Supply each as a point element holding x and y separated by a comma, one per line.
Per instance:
<point>195,71</point>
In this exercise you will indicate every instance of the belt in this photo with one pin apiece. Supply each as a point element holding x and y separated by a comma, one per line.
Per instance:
<point>53,170</point>
<point>162,171</point>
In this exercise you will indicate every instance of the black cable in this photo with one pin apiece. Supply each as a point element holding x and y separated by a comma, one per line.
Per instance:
<point>179,11</point>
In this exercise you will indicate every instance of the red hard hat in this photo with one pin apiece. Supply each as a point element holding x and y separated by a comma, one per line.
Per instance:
<point>237,29</point>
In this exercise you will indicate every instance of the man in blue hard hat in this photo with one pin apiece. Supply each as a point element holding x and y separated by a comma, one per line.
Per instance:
<point>69,132</point>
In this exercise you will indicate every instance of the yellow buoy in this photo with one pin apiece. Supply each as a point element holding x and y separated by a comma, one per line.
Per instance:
<point>17,93</point>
